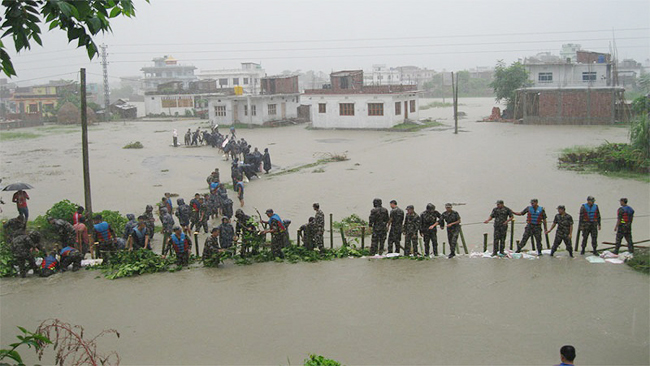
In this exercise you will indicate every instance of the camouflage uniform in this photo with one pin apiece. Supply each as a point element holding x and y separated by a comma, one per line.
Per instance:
<point>149,221</point>
<point>452,232</point>
<point>500,215</point>
<point>210,247</point>
<point>227,207</point>
<point>277,238</point>
<point>625,216</point>
<point>21,247</point>
<point>183,213</point>
<point>129,226</point>
<point>243,229</point>
<point>411,227</point>
<point>203,218</point>
<point>396,219</point>
<point>167,228</point>
<point>429,217</point>
<point>377,221</point>
<point>194,216</point>
<point>71,256</point>
<point>318,230</point>
<point>65,231</point>
<point>226,235</point>
<point>563,223</point>
<point>306,231</point>
<point>533,230</point>
<point>13,228</point>
<point>589,226</point>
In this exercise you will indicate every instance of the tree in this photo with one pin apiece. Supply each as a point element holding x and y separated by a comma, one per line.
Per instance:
<point>507,80</point>
<point>81,20</point>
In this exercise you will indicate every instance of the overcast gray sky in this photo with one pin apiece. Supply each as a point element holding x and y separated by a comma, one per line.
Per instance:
<point>330,35</point>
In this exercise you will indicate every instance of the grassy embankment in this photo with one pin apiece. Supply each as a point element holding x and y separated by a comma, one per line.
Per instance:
<point>641,260</point>
<point>416,127</point>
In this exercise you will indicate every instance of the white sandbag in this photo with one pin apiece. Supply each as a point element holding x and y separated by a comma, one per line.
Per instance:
<point>516,255</point>
<point>392,255</point>
<point>528,256</point>
<point>614,260</point>
<point>476,255</point>
<point>608,254</point>
<point>546,252</point>
<point>594,259</point>
<point>91,262</point>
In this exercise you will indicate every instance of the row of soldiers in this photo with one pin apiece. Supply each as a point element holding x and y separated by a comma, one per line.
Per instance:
<point>395,224</point>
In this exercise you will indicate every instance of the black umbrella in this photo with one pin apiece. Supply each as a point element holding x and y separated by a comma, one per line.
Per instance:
<point>17,187</point>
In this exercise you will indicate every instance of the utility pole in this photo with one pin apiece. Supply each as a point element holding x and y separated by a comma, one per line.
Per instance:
<point>84,145</point>
<point>454,91</point>
<point>107,101</point>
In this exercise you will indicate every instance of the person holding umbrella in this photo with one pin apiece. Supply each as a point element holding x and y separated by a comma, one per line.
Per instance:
<point>20,197</point>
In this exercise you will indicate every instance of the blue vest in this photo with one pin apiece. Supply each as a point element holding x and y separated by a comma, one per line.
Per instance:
<point>214,185</point>
<point>49,262</point>
<point>591,211</point>
<point>179,243</point>
<point>534,216</point>
<point>628,214</point>
<point>67,251</point>
<point>140,235</point>
<point>102,230</point>
<point>277,218</point>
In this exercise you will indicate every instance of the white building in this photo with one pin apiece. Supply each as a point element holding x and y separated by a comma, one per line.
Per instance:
<point>263,109</point>
<point>569,51</point>
<point>164,70</point>
<point>350,104</point>
<point>561,75</point>
<point>174,104</point>
<point>362,111</point>
<point>248,77</point>
<point>382,75</point>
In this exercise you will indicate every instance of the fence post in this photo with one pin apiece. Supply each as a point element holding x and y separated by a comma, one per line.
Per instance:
<point>331,232</point>
<point>298,238</point>
<point>512,233</point>
<point>485,238</point>
<point>363,237</point>
<point>345,243</point>
<point>462,238</point>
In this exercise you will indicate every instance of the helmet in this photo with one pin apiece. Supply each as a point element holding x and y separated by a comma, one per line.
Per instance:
<point>163,210</point>
<point>591,198</point>
<point>130,217</point>
<point>239,212</point>
<point>376,202</point>
<point>35,236</point>
<point>149,208</point>
<point>431,206</point>
<point>180,201</point>
<point>410,207</point>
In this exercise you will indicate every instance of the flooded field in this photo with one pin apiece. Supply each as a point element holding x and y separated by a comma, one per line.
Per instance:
<point>358,311</point>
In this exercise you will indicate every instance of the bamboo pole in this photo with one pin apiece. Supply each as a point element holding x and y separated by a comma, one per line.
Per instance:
<point>345,242</point>
<point>298,236</point>
<point>512,233</point>
<point>196,242</point>
<point>485,239</point>
<point>444,250</point>
<point>331,232</point>
<point>462,239</point>
<point>577,237</point>
<point>363,237</point>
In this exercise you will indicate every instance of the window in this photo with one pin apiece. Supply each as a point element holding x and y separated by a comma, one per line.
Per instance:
<point>272,109</point>
<point>346,109</point>
<point>412,103</point>
<point>245,81</point>
<point>589,76</point>
<point>223,82</point>
<point>185,102</point>
<point>398,108</point>
<point>33,108</point>
<point>375,109</point>
<point>168,102</point>
<point>253,110</point>
<point>220,110</point>
<point>245,110</point>
<point>545,77</point>
<point>235,81</point>
<point>322,108</point>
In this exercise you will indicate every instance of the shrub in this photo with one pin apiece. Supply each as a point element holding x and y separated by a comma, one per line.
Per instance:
<point>133,145</point>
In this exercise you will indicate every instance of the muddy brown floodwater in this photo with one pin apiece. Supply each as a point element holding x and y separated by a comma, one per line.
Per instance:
<point>358,311</point>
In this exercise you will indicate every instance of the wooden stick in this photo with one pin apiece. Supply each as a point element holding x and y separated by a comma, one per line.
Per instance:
<point>462,238</point>
<point>345,242</point>
<point>363,237</point>
<point>512,233</point>
<point>331,233</point>
<point>196,242</point>
<point>577,237</point>
<point>485,239</point>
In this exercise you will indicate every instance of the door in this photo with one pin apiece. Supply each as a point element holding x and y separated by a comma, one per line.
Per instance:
<point>235,113</point>
<point>406,109</point>
<point>283,110</point>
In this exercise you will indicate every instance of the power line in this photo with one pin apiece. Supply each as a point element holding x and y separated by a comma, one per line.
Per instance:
<point>382,46</point>
<point>382,39</point>
<point>368,55</point>
<point>44,77</point>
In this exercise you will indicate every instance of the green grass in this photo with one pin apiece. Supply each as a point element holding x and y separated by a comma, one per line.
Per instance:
<point>133,145</point>
<point>11,135</point>
<point>415,127</point>
<point>612,160</point>
<point>641,260</point>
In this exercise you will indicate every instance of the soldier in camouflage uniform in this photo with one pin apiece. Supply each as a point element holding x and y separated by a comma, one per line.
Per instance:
<point>306,232</point>
<point>149,220</point>
<point>411,226</point>
<point>502,215</point>
<point>623,228</point>
<point>277,231</point>
<point>318,227</point>
<point>564,223</point>
<point>203,216</point>
<point>183,213</point>
<point>167,228</point>
<point>14,227</point>
<point>195,204</point>
<point>64,230</point>
<point>244,229</point>
<point>21,247</point>
<point>211,245</point>
<point>452,219</point>
<point>429,221</point>
<point>378,222</point>
<point>589,224</point>
<point>226,206</point>
<point>130,225</point>
<point>226,233</point>
<point>536,216</point>
<point>395,220</point>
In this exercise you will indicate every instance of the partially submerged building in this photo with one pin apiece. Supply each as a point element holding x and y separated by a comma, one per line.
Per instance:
<point>348,103</point>
<point>277,102</point>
